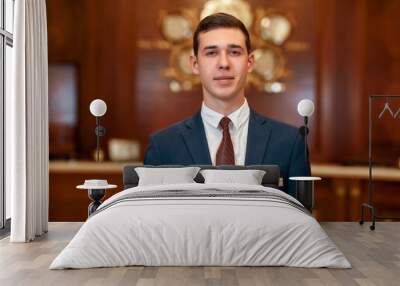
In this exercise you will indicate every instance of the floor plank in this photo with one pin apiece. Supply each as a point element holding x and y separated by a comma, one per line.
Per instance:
<point>374,255</point>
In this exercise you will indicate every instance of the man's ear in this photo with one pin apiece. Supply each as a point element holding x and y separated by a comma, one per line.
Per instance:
<point>194,64</point>
<point>250,62</point>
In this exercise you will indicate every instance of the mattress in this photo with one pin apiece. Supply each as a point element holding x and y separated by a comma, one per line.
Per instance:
<point>201,225</point>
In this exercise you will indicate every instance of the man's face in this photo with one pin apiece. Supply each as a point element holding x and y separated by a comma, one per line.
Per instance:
<point>222,63</point>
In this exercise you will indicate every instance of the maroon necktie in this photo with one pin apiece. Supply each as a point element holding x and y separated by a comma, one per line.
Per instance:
<point>225,154</point>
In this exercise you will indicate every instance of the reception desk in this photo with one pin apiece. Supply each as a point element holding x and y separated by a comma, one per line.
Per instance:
<point>338,196</point>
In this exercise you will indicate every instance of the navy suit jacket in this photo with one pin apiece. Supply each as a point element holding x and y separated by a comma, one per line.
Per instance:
<point>268,142</point>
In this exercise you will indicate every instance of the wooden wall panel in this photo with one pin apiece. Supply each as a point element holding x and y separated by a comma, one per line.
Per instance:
<point>63,88</point>
<point>383,70</point>
<point>341,45</point>
<point>108,71</point>
<point>358,56</point>
<point>65,30</point>
<point>352,51</point>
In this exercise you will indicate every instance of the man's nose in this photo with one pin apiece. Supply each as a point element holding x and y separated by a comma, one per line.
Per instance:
<point>223,61</point>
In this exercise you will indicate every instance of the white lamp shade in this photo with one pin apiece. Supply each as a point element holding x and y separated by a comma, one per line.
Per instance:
<point>305,107</point>
<point>98,107</point>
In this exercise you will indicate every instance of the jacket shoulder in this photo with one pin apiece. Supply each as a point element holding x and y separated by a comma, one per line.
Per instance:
<point>171,130</point>
<point>278,126</point>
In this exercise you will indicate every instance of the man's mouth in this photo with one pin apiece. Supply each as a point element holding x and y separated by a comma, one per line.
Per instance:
<point>224,78</point>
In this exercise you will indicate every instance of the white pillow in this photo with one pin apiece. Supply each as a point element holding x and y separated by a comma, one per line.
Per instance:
<point>248,177</point>
<point>165,176</point>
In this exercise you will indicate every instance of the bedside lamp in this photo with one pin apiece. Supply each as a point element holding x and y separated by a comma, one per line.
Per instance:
<point>97,188</point>
<point>305,185</point>
<point>98,108</point>
<point>305,108</point>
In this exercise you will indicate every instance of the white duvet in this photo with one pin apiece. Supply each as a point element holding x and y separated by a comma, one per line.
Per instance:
<point>184,231</point>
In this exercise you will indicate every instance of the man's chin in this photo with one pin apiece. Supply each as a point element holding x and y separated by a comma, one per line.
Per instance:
<point>225,96</point>
<point>224,93</point>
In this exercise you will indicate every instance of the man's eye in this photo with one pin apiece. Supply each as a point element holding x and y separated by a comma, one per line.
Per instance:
<point>235,53</point>
<point>211,53</point>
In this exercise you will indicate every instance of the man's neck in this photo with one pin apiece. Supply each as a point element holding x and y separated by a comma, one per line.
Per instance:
<point>224,107</point>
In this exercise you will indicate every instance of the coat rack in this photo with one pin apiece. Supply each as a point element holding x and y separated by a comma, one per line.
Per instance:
<point>369,204</point>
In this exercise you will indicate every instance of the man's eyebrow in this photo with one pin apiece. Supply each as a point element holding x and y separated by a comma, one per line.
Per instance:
<point>230,46</point>
<point>210,47</point>
<point>234,46</point>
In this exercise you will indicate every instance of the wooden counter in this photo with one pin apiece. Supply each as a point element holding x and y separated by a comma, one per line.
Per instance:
<point>355,172</point>
<point>88,166</point>
<point>320,170</point>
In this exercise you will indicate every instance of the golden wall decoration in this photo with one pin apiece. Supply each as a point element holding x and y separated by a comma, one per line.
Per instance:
<point>269,30</point>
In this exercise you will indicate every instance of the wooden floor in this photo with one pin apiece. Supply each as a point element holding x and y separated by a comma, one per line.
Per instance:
<point>374,255</point>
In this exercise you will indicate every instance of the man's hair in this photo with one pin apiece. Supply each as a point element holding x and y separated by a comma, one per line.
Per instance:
<point>219,20</point>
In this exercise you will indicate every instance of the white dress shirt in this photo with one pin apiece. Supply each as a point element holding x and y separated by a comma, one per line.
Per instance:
<point>238,128</point>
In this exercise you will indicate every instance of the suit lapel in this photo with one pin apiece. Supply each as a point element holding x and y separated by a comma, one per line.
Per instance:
<point>196,141</point>
<point>257,139</point>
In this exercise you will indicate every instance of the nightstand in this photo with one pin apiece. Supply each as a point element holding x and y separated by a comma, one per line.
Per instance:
<point>305,190</point>
<point>96,192</point>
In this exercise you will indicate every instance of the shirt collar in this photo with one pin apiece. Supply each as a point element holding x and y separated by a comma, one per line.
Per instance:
<point>238,117</point>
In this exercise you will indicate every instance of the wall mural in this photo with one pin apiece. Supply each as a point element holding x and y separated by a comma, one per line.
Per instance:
<point>269,30</point>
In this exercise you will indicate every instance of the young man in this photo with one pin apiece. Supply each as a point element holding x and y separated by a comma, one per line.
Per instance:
<point>226,130</point>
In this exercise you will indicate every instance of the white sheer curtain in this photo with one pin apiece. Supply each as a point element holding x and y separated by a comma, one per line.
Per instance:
<point>27,124</point>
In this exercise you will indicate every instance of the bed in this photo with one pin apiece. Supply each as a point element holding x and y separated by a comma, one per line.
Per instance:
<point>201,223</point>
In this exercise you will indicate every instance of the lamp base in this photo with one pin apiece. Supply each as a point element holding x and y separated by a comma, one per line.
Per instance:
<point>96,195</point>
